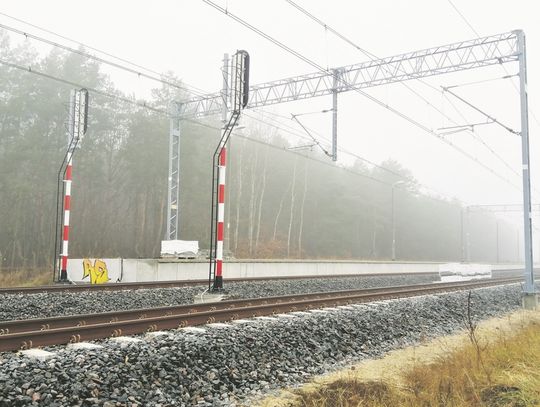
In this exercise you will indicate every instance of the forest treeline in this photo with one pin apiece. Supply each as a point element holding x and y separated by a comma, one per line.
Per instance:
<point>281,203</point>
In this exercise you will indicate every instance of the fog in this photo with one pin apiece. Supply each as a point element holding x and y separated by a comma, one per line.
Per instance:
<point>187,39</point>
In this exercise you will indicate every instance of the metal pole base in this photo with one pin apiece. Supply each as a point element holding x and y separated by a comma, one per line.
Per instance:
<point>218,284</point>
<point>63,276</point>
<point>530,301</point>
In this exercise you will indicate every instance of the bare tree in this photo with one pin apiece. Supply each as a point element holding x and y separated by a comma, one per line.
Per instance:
<point>238,195</point>
<point>291,217</point>
<point>276,220</point>
<point>261,198</point>
<point>301,229</point>
<point>374,235</point>
<point>252,200</point>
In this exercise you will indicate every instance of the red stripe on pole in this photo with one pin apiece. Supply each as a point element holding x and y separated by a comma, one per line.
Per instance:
<point>66,233</point>
<point>64,262</point>
<point>220,231</point>
<point>223,156</point>
<point>221,194</point>
<point>219,268</point>
<point>68,173</point>
<point>67,202</point>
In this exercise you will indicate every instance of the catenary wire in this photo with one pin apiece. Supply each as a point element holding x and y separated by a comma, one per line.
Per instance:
<point>347,152</point>
<point>87,55</point>
<point>97,59</point>
<point>463,18</point>
<point>314,139</point>
<point>303,136</point>
<point>370,97</point>
<point>529,110</point>
<point>188,88</point>
<point>494,120</point>
<point>167,114</point>
<point>503,67</point>
<point>350,153</point>
<point>459,85</point>
<point>77,85</point>
<point>373,57</point>
<point>477,136</point>
<point>84,45</point>
<point>341,149</point>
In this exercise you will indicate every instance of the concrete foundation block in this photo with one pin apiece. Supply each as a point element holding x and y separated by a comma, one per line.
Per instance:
<point>126,339</point>
<point>193,329</point>
<point>243,321</point>
<point>218,325</point>
<point>83,346</point>
<point>530,301</point>
<point>38,354</point>
<point>265,318</point>
<point>208,298</point>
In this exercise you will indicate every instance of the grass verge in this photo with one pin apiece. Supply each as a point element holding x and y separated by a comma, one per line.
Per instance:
<point>25,278</point>
<point>496,364</point>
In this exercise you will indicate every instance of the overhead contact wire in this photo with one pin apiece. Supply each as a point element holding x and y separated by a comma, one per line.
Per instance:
<point>372,98</point>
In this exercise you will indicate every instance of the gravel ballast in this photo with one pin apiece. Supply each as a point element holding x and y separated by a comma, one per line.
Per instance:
<point>231,366</point>
<point>41,305</point>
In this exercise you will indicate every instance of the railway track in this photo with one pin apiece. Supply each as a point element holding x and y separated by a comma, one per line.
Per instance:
<point>175,283</point>
<point>191,283</point>
<point>25,334</point>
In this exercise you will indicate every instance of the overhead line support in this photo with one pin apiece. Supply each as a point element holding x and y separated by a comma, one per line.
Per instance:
<point>173,184</point>
<point>460,56</point>
<point>493,120</point>
<point>464,55</point>
<point>530,298</point>
<point>334,114</point>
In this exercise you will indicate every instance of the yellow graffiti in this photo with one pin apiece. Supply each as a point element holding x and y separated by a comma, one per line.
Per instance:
<point>98,273</point>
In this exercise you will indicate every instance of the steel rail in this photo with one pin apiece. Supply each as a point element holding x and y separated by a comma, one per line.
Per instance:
<point>34,333</point>
<point>37,324</point>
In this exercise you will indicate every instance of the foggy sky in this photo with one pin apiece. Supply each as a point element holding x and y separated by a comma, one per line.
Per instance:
<point>189,39</point>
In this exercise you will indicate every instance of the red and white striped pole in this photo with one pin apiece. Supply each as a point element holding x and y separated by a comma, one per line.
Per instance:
<point>67,208</point>
<point>78,112</point>
<point>222,160</point>
<point>240,79</point>
<point>218,278</point>
<point>67,184</point>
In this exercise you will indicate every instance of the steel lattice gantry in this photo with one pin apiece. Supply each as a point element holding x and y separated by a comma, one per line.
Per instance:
<point>173,182</point>
<point>460,56</point>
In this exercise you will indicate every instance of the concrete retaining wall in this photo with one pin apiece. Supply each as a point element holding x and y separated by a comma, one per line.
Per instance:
<point>151,270</point>
<point>134,270</point>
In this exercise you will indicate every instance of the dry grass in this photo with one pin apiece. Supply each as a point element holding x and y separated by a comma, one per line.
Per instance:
<point>25,278</point>
<point>503,372</point>
<point>499,367</point>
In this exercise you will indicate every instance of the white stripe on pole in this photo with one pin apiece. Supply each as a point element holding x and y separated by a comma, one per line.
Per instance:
<point>219,250</point>
<point>221,175</point>
<point>221,212</point>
